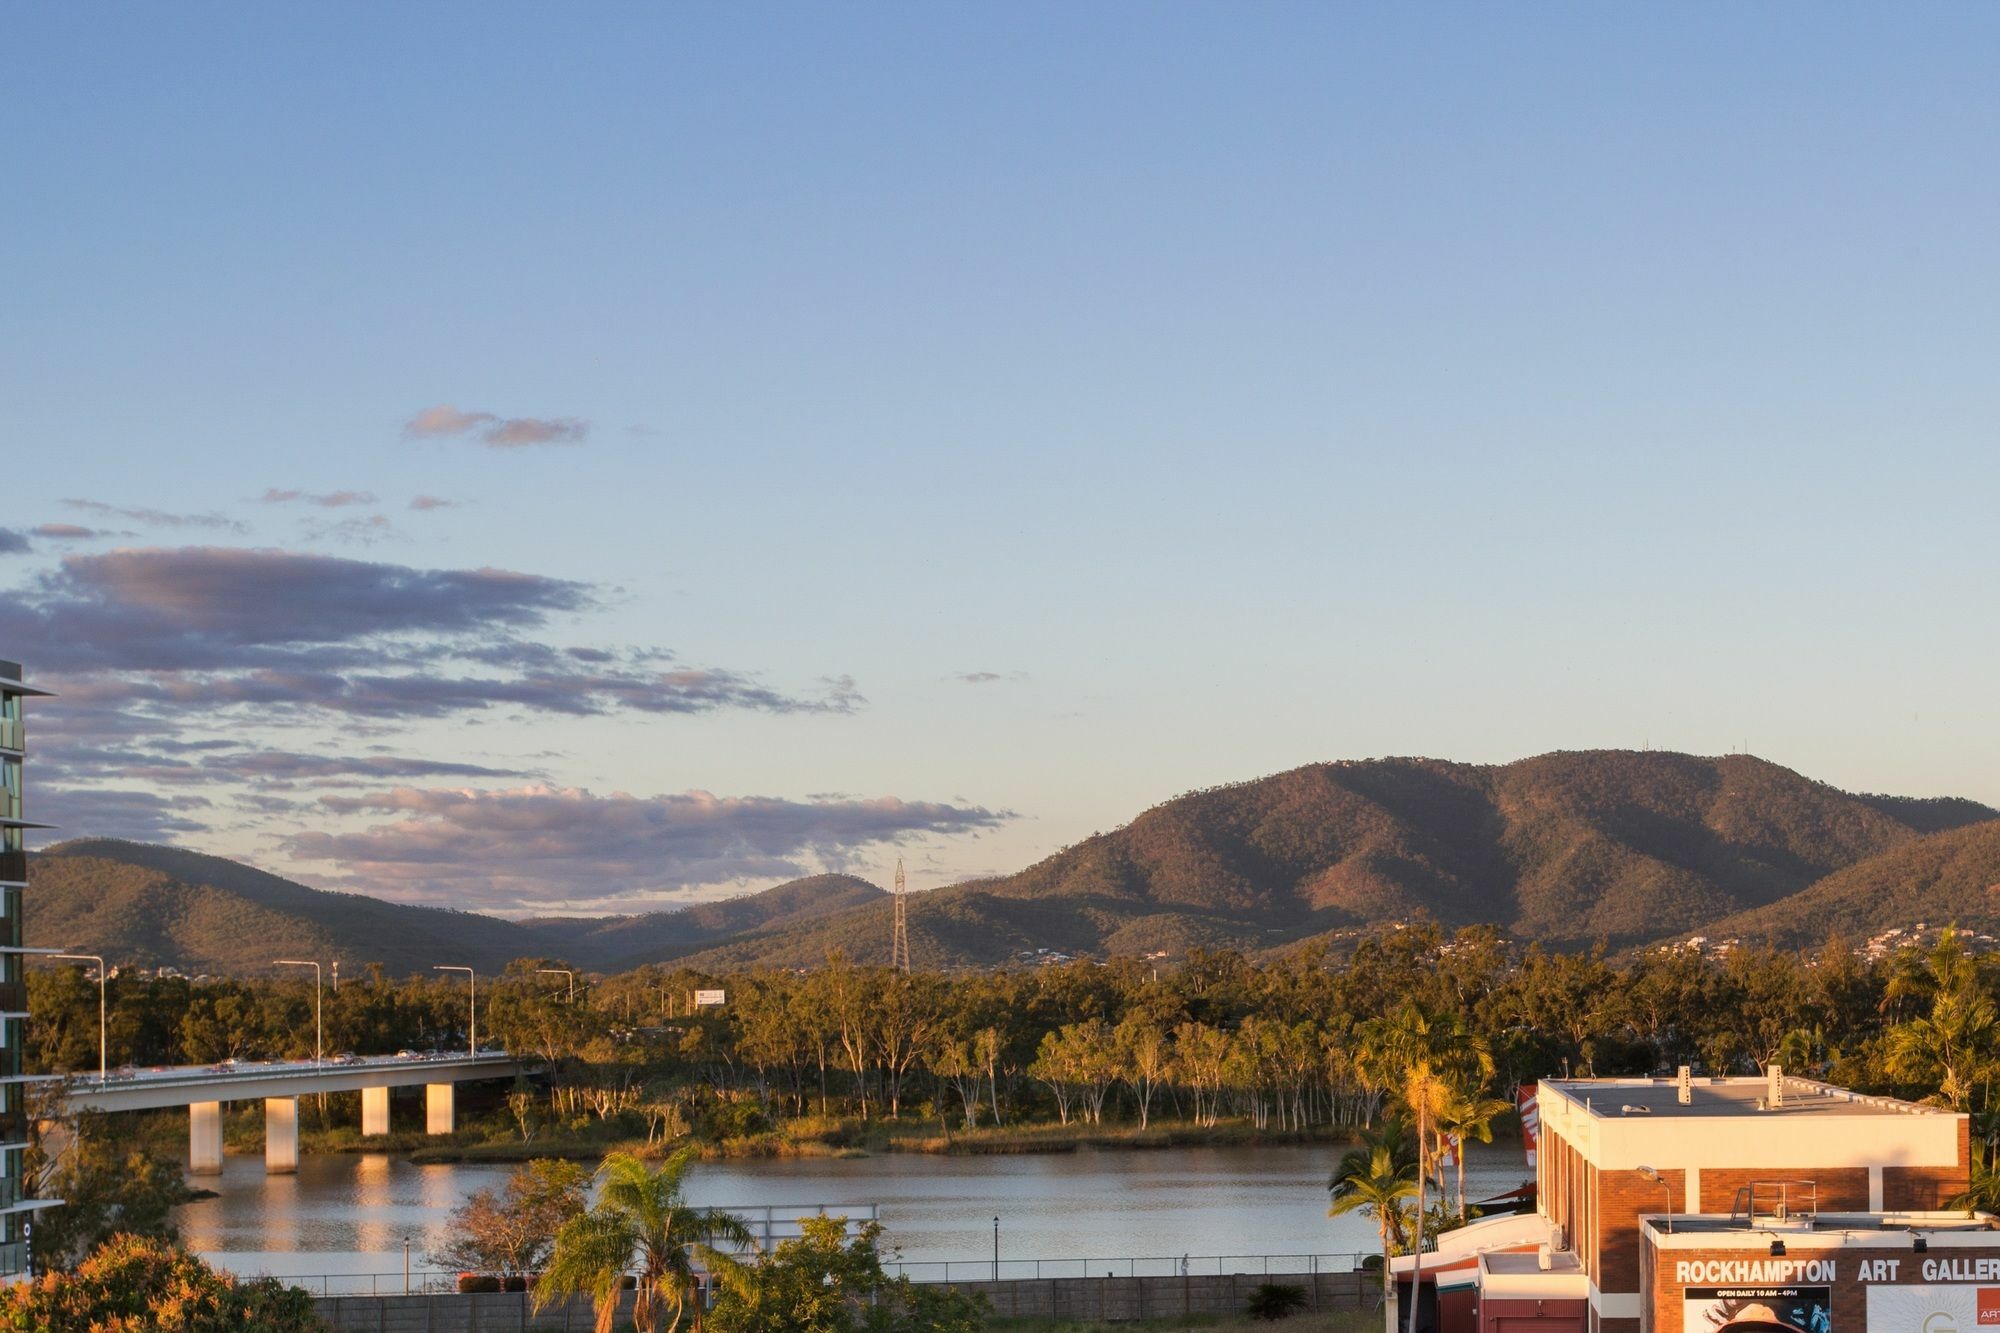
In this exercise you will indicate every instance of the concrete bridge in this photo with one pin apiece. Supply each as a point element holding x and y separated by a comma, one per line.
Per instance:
<point>279,1084</point>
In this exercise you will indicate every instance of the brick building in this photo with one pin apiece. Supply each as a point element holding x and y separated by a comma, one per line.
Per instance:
<point>1730,1158</point>
<point>1927,1272</point>
<point>1614,1150</point>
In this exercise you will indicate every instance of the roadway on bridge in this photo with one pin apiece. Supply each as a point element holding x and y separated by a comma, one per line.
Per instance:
<point>185,1085</point>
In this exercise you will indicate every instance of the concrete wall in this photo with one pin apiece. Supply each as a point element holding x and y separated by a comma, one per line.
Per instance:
<point>1080,1298</point>
<point>482,1312</point>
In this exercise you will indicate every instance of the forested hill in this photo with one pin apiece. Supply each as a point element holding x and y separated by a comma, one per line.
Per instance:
<point>1622,847</point>
<point>1570,848</point>
<point>1949,878</point>
<point>150,906</point>
<point>623,942</point>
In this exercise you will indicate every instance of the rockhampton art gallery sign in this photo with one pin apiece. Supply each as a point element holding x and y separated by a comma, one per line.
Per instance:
<point>1921,1294</point>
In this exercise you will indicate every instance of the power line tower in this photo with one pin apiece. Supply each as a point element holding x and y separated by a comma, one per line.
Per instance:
<point>899,943</point>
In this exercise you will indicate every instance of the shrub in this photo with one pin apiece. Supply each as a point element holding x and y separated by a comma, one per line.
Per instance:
<point>478,1282</point>
<point>1276,1300</point>
<point>135,1282</point>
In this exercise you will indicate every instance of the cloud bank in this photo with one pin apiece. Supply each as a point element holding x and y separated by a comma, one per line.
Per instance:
<point>528,848</point>
<point>170,660</point>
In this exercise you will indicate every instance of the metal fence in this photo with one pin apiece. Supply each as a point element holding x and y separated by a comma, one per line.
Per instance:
<point>1171,1265</point>
<point>431,1280</point>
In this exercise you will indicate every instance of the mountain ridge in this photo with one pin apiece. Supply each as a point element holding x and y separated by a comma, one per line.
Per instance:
<point>1572,848</point>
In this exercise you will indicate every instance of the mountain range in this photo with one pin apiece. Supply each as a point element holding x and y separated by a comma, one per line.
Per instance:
<point>1623,848</point>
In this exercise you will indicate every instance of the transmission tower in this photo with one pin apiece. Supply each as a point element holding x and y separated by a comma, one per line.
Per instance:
<point>899,943</point>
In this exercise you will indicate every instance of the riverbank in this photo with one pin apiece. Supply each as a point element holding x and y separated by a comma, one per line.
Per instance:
<point>839,1139</point>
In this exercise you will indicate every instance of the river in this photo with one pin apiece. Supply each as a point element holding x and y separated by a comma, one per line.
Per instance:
<point>349,1216</point>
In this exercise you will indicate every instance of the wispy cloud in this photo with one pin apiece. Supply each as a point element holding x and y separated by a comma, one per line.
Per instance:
<point>445,421</point>
<point>157,518</point>
<point>325,499</point>
<point>988,677</point>
<point>528,847</point>
<point>351,531</point>
<point>73,532</point>
<point>429,502</point>
<point>14,543</point>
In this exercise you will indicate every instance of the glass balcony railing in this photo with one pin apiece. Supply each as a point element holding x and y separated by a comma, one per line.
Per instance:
<point>13,868</point>
<point>14,1258</point>
<point>12,735</point>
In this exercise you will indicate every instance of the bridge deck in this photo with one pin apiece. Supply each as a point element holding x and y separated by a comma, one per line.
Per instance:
<point>154,1089</point>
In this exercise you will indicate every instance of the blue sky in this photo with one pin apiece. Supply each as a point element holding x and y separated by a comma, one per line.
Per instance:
<point>1236,387</point>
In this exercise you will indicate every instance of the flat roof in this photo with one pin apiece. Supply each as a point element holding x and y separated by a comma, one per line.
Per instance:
<point>1620,1098</point>
<point>1821,1231</point>
<point>1515,1263</point>
<point>1799,1226</point>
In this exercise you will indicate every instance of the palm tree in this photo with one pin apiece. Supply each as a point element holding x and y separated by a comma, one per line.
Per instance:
<point>1422,1056</point>
<point>1468,1115</point>
<point>592,1253</point>
<point>1952,1046</point>
<point>1376,1188</point>
<point>641,1213</point>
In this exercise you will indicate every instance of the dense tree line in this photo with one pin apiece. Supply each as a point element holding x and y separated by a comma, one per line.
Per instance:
<point>1282,1046</point>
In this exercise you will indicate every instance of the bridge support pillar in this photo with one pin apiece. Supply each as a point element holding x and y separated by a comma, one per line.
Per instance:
<point>205,1138</point>
<point>437,1108</point>
<point>374,1111</point>
<point>281,1135</point>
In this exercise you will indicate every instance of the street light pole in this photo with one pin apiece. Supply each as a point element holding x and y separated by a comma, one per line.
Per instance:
<point>1648,1173</point>
<point>472,980</point>
<point>103,1061</point>
<point>996,1249</point>
<point>319,1031</point>
<point>565,972</point>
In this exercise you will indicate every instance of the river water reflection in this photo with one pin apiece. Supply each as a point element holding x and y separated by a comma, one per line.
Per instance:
<point>351,1214</point>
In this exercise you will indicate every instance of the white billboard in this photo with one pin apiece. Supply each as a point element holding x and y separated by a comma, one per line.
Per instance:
<point>704,998</point>
<point>1932,1309</point>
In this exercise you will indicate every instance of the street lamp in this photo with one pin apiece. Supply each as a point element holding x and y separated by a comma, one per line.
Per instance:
<point>996,1249</point>
<point>564,972</point>
<point>319,1045</point>
<point>103,1062</point>
<point>1648,1173</point>
<point>472,980</point>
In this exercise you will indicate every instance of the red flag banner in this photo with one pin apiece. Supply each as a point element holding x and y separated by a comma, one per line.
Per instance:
<point>1531,1122</point>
